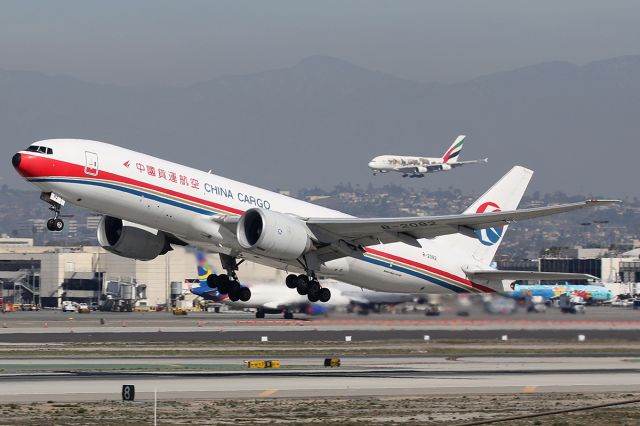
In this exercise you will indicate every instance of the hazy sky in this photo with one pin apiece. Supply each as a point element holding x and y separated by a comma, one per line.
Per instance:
<point>180,42</point>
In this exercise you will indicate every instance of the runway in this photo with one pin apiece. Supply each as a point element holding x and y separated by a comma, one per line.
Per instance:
<point>311,335</point>
<point>600,323</point>
<point>304,377</point>
<point>75,365</point>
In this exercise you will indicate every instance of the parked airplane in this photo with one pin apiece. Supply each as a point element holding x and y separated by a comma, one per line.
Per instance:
<point>270,298</point>
<point>150,204</point>
<point>590,293</point>
<point>418,166</point>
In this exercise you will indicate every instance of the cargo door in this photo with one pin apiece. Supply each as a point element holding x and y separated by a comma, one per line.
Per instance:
<point>91,163</point>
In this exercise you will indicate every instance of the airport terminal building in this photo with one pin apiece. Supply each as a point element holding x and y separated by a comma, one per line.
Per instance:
<point>48,275</point>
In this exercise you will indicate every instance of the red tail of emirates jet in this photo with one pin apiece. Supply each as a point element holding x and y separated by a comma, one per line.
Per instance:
<point>150,204</point>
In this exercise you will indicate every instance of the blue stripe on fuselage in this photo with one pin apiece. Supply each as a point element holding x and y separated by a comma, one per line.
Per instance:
<point>416,274</point>
<point>130,191</point>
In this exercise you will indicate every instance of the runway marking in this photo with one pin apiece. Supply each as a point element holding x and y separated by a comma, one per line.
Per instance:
<point>529,389</point>
<point>267,392</point>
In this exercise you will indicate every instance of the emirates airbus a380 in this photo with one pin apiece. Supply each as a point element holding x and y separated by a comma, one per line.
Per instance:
<point>150,204</point>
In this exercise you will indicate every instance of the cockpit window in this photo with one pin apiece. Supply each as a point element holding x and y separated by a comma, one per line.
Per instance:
<point>40,149</point>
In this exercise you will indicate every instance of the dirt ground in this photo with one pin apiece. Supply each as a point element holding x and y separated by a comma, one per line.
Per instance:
<point>417,410</point>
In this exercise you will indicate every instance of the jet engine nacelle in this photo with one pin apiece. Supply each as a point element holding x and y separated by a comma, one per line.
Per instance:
<point>422,169</point>
<point>446,167</point>
<point>128,239</point>
<point>272,234</point>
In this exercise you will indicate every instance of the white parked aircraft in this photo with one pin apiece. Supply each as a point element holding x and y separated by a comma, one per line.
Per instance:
<point>274,298</point>
<point>149,204</point>
<point>418,166</point>
<point>266,297</point>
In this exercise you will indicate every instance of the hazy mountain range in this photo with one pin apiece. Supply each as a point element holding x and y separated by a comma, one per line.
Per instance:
<point>320,121</point>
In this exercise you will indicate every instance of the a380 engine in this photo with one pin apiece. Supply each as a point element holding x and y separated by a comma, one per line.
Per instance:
<point>273,234</point>
<point>128,239</point>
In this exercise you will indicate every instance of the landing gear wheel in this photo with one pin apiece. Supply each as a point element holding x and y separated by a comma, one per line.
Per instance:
<point>223,283</point>
<point>55,224</point>
<point>324,295</point>
<point>303,287</point>
<point>291,281</point>
<point>234,295</point>
<point>288,315</point>
<point>235,285</point>
<point>314,287</point>
<point>313,297</point>
<point>244,293</point>
<point>212,281</point>
<point>259,314</point>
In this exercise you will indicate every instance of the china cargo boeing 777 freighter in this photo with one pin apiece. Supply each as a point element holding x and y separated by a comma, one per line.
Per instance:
<point>150,204</point>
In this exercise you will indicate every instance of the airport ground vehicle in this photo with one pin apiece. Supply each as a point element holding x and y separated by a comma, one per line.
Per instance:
<point>68,306</point>
<point>433,310</point>
<point>6,306</point>
<point>569,304</point>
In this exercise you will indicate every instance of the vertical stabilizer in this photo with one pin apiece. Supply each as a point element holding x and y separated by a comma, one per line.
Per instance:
<point>503,195</point>
<point>451,154</point>
<point>204,268</point>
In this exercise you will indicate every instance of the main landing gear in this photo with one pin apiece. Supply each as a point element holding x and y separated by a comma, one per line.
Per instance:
<point>228,283</point>
<point>309,286</point>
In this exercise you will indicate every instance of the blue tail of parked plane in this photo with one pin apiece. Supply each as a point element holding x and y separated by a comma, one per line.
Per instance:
<point>204,269</point>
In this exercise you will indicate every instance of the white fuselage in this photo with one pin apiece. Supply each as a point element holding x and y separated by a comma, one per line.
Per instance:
<point>390,163</point>
<point>181,201</point>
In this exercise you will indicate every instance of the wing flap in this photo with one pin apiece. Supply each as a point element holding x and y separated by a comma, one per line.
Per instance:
<point>525,275</point>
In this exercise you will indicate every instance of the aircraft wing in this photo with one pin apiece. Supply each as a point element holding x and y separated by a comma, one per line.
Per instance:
<point>525,275</point>
<point>406,169</point>
<point>356,232</point>
<point>462,163</point>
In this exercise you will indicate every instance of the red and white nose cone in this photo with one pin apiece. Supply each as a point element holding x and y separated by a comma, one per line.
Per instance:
<point>29,165</point>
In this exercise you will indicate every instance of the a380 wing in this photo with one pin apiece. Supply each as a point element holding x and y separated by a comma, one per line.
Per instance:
<point>367,231</point>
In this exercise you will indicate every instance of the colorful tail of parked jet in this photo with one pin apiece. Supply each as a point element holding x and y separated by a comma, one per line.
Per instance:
<point>203,290</point>
<point>451,154</point>
<point>204,268</point>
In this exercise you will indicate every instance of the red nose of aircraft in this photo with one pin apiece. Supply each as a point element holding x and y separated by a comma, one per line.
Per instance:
<point>29,165</point>
<point>17,158</point>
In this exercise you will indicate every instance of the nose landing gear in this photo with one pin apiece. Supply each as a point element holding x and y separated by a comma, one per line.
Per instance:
<point>55,223</point>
